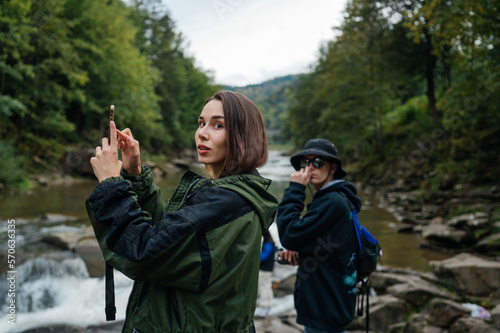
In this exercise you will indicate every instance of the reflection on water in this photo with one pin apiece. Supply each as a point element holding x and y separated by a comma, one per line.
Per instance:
<point>66,199</point>
<point>399,250</point>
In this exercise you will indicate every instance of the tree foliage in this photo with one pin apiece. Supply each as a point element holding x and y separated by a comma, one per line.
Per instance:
<point>64,62</point>
<point>402,75</point>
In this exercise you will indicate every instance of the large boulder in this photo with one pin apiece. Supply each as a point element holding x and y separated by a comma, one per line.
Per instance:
<point>385,310</point>
<point>417,294</point>
<point>472,325</point>
<point>419,323</point>
<point>383,278</point>
<point>88,249</point>
<point>471,221</point>
<point>470,275</point>
<point>489,244</point>
<point>61,239</point>
<point>84,244</point>
<point>447,235</point>
<point>495,316</point>
<point>444,312</point>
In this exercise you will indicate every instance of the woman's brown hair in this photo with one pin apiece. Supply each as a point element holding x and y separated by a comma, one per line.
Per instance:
<point>246,139</point>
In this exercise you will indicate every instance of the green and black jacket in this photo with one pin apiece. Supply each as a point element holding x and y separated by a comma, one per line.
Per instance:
<point>195,258</point>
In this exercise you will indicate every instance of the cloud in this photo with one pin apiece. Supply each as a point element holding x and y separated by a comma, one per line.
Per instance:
<point>250,41</point>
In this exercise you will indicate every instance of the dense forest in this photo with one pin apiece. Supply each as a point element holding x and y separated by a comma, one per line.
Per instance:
<point>407,90</point>
<point>64,62</point>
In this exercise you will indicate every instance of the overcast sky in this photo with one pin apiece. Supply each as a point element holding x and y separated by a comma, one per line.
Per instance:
<point>250,41</point>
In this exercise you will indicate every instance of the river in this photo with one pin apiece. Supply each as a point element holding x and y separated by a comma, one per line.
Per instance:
<point>53,286</point>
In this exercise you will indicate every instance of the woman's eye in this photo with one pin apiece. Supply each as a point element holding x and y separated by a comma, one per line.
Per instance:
<point>219,126</point>
<point>201,124</point>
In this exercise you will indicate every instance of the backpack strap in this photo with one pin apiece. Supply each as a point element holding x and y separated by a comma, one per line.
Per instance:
<point>351,205</point>
<point>361,298</point>
<point>354,217</point>
<point>110,294</point>
<point>364,289</point>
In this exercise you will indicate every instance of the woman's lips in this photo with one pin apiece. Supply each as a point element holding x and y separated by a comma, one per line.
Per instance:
<point>203,149</point>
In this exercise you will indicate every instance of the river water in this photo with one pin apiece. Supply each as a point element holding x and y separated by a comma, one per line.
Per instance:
<point>53,286</point>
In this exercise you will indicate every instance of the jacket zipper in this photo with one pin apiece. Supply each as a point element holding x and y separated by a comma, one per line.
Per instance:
<point>187,195</point>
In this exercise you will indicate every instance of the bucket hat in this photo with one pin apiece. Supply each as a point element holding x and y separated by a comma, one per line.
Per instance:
<point>320,147</point>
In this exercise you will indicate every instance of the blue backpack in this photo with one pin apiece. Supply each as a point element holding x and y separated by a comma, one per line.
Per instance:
<point>369,250</point>
<point>368,254</point>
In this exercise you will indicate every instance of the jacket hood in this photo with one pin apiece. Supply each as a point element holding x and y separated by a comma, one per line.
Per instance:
<point>254,189</point>
<point>344,186</point>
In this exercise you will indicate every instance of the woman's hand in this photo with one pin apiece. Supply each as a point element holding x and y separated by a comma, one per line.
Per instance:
<point>290,256</point>
<point>105,163</point>
<point>131,154</point>
<point>302,176</point>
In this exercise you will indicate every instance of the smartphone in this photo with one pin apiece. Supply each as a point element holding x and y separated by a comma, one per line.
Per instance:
<point>111,118</point>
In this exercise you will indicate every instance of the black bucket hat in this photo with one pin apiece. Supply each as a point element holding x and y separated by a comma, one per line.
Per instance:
<point>320,147</point>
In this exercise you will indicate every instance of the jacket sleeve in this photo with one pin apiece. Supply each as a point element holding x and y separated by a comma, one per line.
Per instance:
<point>304,234</point>
<point>172,252</point>
<point>148,194</point>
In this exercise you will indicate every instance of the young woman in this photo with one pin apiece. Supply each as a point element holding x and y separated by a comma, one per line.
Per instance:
<point>324,238</point>
<point>194,259</point>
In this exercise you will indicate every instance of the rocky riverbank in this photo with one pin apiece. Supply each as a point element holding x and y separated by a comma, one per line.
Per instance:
<point>464,219</point>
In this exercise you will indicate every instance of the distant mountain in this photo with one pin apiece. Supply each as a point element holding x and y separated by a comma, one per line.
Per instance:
<point>272,98</point>
<point>260,91</point>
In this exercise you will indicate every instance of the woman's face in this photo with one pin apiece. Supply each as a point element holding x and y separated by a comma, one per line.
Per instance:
<point>322,175</point>
<point>211,136</point>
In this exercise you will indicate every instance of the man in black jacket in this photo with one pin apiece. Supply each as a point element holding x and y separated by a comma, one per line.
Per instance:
<point>324,239</point>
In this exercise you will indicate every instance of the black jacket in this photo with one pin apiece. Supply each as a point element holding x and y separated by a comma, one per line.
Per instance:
<point>325,290</point>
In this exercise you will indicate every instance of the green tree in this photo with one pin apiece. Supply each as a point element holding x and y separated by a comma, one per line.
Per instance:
<point>41,94</point>
<point>351,85</point>
<point>182,87</point>
<point>304,110</point>
<point>16,29</point>
<point>469,30</point>
<point>116,72</point>
<point>81,57</point>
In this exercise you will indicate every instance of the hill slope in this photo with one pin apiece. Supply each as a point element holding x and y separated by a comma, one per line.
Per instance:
<point>272,99</point>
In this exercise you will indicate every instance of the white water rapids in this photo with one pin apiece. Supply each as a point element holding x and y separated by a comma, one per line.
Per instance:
<point>51,292</point>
